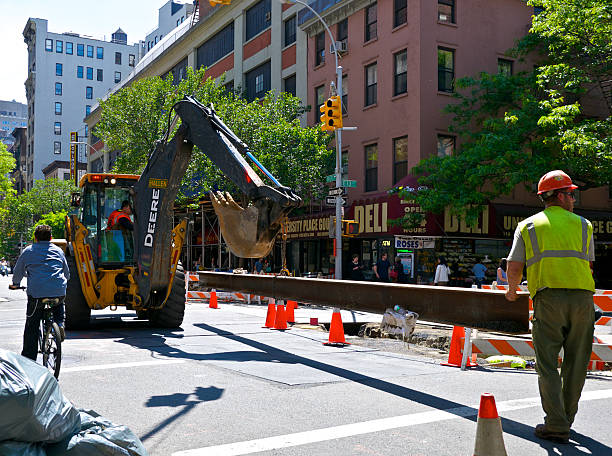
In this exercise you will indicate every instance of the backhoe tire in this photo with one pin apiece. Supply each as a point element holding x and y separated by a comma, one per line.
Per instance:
<point>78,312</point>
<point>171,315</point>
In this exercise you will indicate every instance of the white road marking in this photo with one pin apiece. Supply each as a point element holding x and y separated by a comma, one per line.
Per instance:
<point>122,365</point>
<point>367,427</point>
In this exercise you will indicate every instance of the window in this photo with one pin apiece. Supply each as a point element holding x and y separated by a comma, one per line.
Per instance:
<point>100,53</point>
<point>258,18</point>
<point>99,75</point>
<point>117,76</point>
<point>57,128</point>
<point>79,72</point>
<point>59,46</point>
<point>319,99</point>
<point>504,67</point>
<point>400,70</point>
<point>289,85</point>
<point>370,23</point>
<point>320,49</point>
<point>68,48</point>
<point>370,84</point>
<point>400,158</point>
<point>344,94</point>
<point>59,69</point>
<point>131,60</point>
<point>446,69</point>
<point>217,47</point>
<point>89,93</point>
<point>446,11</point>
<point>258,81</point>
<point>57,147</point>
<point>49,45</point>
<point>117,58</point>
<point>90,73</point>
<point>58,88</point>
<point>80,50</point>
<point>400,12</point>
<point>342,30</point>
<point>87,110</point>
<point>229,87</point>
<point>86,133</point>
<point>90,51</point>
<point>66,176</point>
<point>371,167</point>
<point>290,30</point>
<point>58,108</point>
<point>446,145</point>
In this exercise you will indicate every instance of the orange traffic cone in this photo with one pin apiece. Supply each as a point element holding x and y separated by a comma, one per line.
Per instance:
<point>289,311</point>
<point>294,303</point>
<point>213,300</point>
<point>280,321</point>
<point>489,434</point>
<point>456,349</point>
<point>271,315</point>
<point>336,330</point>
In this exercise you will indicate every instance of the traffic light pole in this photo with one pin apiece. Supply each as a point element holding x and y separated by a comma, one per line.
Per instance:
<point>338,270</point>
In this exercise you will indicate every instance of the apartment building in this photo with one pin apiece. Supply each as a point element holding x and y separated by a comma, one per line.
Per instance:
<point>170,15</point>
<point>12,115</point>
<point>67,73</point>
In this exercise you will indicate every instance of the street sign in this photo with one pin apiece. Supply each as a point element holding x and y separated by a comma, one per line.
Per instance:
<point>337,191</point>
<point>330,178</point>
<point>331,200</point>
<point>349,183</point>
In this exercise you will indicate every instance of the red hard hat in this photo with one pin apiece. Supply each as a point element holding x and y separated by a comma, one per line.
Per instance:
<point>555,180</point>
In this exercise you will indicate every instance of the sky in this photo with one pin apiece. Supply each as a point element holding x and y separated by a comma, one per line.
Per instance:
<point>97,18</point>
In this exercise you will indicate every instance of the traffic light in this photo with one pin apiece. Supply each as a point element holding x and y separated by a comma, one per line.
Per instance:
<point>325,118</point>
<point>219,2</point>
<point>350,228</point>
<point>334,111</point>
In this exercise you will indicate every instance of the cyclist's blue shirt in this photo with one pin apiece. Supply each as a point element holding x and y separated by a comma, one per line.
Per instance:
<point>44,264</point>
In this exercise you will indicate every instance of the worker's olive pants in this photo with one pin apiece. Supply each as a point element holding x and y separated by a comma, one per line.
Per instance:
<point>563,318</point>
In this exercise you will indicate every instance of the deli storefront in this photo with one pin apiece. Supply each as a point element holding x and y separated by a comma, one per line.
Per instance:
<point>310,246</point>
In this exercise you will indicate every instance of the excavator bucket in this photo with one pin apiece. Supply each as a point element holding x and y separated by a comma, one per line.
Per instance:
<point>249,232</point>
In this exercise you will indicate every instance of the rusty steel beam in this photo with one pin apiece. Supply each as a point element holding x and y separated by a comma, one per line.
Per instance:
<point>481,309</point>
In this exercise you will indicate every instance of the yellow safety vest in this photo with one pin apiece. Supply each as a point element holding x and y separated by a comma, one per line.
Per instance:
<point>557,250</point>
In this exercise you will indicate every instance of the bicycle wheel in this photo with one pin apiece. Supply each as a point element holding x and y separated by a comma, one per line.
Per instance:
<point>52,349</point>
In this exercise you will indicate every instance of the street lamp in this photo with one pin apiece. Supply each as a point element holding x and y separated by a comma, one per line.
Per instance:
<point>339,201</point>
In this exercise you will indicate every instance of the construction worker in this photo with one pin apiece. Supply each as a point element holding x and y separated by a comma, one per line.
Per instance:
<point>557,248</point>
<point>120,218</point>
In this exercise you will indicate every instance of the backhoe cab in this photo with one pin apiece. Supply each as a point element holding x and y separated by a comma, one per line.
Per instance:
<point>140,269</point>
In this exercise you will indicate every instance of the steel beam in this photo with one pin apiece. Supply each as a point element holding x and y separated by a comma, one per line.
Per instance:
<point>481,309</point>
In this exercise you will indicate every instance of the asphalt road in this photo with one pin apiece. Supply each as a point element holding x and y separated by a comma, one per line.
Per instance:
<point>223,385</point>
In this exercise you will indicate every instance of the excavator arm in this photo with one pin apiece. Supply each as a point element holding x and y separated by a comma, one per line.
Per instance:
<point>249,231</point>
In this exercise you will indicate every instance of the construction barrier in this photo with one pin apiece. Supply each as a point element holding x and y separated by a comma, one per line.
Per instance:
<point>222,296</point>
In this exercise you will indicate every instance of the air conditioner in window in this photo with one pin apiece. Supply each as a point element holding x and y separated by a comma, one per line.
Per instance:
<point>341,46</point>
<point>268,16</point>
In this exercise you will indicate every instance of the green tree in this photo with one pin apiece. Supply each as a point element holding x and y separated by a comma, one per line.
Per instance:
<point>135,117</point>
<point>7,164</point>
<point>514,128</point>
<point>57,222</point>
<point>20,212</point>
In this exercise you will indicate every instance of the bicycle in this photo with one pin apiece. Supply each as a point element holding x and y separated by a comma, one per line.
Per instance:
<point>49,335</point>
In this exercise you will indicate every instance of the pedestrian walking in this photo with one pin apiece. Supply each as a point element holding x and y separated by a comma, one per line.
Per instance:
<point>398,271</point>
<point>480,271</point>
<point>381,268</point>
<point>356,268</point>
<point>556,245</point>
<point>502,277</point>
<point>442,273</point>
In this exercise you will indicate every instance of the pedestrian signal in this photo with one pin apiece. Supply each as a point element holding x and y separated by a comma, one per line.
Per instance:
<point>334,111</point>
<point>350,228</point>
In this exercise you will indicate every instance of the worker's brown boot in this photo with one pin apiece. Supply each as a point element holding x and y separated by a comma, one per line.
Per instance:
<point>543,433</point>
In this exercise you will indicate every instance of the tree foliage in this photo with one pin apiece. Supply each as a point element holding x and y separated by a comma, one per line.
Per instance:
<point>514,128</point>
<point>22,212</point>
<point>135,117</point>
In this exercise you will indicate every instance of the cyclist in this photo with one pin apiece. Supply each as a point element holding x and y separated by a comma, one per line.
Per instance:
<point>45,266</point>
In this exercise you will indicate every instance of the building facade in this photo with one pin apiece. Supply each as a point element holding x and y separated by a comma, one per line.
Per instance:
<point>67,73</point>
<point>12,115</point>
<point>19,152</point>
<point>170,15</point>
